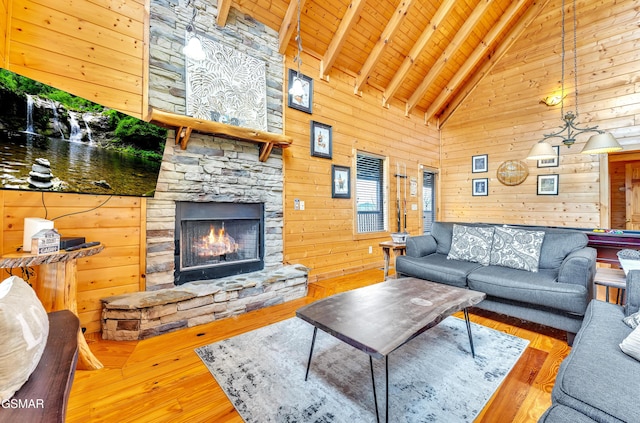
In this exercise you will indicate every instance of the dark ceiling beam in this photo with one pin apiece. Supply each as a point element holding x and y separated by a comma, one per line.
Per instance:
<point>516,32</point>
<point>338,40</point>
<point>417,48</point>
<point>458,40</point>
<point>385,38</point>
<point>480,52</point>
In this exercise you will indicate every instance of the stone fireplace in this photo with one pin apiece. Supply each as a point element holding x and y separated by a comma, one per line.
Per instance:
<point>214,242</point>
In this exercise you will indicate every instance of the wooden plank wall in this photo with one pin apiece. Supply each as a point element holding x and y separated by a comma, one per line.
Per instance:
<point>95,48</point>
<point>4,18</point>
<point>323,236</point>
<point>117,222</point>
<point>503,118</point>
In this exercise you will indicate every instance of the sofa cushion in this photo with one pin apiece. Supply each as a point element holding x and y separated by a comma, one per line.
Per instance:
<point>442,232</point>
<point>24,327</point>
<point>516,248</point>
<point>538,288</point>
<point>558,244</point>
<point>437,268</point>
<point>597,378</point>
<point>559,413</point>
<point>471,243</point>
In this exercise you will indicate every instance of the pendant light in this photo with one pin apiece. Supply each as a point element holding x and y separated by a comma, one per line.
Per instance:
<point>193,49</point>
<point>297,90</point>
<point>601,142</point>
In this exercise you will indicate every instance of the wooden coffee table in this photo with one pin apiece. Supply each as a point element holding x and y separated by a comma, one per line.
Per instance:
<point>379,319</point>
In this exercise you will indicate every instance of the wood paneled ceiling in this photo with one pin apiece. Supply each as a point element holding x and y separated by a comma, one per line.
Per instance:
<point>423,55</point>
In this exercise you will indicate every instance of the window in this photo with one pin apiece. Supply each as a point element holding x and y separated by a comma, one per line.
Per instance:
<point>428,201</point>
<point>370,199</point>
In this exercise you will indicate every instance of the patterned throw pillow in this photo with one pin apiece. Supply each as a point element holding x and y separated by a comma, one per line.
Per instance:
<point>471,243</point>
<point>632,320</point>
<point>631,344</point>
<point>516,248</point>
<point>24,327</point>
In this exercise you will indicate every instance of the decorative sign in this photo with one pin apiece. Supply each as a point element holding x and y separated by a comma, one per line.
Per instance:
<point>512,172</point>
<point>45,241</point>
<point>228,86</point>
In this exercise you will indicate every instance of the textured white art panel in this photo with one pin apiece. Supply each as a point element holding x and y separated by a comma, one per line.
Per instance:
<point>228,86</point>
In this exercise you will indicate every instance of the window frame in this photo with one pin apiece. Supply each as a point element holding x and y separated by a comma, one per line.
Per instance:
<point>383,201</point>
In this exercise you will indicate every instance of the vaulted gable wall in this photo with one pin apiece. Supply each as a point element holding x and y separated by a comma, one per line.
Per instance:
<point>503,118</point>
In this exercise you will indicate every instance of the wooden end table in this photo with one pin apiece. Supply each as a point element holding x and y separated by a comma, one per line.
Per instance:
<point>56,287</point>
<point>399,249</point>
<point>611,278</point>
<point>378,319</point>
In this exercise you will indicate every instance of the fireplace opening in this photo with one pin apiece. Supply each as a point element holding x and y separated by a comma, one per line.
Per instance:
<point>214,240</point>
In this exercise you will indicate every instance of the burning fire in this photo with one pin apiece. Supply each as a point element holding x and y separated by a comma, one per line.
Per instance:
<point>214,245</point>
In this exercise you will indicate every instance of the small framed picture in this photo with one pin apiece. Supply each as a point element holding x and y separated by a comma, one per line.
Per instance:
<point>479,163</point>
<point>303,102</point>
<point>547,184</point>
<point>551,162</point>
<point>480,186</point>
<point>320,140</point>
<point>340,181</point>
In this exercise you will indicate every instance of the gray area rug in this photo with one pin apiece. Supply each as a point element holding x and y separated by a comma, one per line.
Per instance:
<point>433,378</point>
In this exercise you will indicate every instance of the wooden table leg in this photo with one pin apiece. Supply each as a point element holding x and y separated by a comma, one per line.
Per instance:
<point>56,287</point>
<point>387,257</point>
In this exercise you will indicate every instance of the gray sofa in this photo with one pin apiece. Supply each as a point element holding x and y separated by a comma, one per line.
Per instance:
<point>597,382</point>
<point>557,295</point>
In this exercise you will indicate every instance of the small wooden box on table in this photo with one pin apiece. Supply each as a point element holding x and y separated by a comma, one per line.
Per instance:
<point>56,285</point>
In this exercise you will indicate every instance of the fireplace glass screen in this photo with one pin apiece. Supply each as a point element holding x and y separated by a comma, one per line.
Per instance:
<point>209,243</point>
<point>214,240</point>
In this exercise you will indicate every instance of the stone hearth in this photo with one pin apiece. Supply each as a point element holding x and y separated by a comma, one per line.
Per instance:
<point>142,315</point>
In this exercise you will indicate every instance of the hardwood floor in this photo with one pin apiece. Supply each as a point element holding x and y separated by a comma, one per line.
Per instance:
<point>162,379</point>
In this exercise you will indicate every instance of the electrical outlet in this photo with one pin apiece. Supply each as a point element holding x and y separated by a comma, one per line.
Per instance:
<point>301,205</point>
<point>370,249</point>
<point>296,204</point>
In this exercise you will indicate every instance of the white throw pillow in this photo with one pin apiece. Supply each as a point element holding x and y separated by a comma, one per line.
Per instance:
<point>471,243</point>
<point>516,248</point>
<point>632,320</point>
<point>24,327</point>
<point>631,344</point>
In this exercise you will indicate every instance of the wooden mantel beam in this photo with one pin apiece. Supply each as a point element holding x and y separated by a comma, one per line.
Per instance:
<point>184,125</point>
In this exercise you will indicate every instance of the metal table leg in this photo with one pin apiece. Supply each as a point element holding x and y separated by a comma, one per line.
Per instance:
<point>313,342</point>
<point>466,319</point>
<point>373,382</point>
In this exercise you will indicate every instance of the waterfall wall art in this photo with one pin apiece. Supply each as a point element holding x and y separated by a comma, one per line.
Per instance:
<point>53,141</point>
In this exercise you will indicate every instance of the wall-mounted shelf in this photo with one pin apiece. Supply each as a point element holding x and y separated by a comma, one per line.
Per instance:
<point>184,125</point>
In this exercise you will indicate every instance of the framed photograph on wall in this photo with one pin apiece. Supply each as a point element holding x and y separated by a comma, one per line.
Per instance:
<point>551,162</point>
<point>479,163</point>
<point>302,102</point>
<point>321,142</point>
<point>340,181</point>
<point>480,186</point>
<point>548,184</point>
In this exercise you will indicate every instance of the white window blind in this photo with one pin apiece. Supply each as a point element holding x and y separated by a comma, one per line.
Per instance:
<point>428,201</point>
<point>370,193</point>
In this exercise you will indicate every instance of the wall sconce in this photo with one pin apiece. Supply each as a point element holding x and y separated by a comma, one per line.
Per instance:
<point>193,49</point>
<point>552,100</point>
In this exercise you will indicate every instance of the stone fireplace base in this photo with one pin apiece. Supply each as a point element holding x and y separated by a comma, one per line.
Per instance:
<point>142,315</point>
